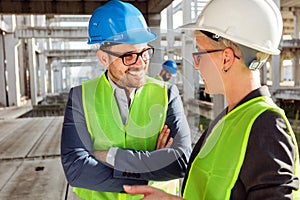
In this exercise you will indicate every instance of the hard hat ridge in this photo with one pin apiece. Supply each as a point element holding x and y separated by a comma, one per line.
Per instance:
<point>118,22</point>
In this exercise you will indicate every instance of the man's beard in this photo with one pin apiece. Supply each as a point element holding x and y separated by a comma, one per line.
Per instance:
<point>165,78</point>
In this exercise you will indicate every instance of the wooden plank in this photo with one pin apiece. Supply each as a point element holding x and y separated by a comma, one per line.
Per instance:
<point>49,143</point>
<point>35,180</point>
<point>7,169</point>
<point>19,144</point>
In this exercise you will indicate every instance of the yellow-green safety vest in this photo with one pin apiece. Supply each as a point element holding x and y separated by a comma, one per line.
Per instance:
<point>216,168</point>
<point>158,77</point>
<point>145,121</point>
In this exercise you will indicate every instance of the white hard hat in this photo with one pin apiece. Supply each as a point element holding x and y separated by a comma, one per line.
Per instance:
<point>256,24</point>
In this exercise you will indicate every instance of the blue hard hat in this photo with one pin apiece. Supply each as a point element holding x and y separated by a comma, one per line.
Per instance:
<point>119,22</point>
<point>170,66</point>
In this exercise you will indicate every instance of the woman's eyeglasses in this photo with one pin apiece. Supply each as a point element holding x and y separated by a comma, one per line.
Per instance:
<point>131,58</point>
<point>197,55</point>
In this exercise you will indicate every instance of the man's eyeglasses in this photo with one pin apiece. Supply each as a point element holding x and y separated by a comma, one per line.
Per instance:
<point>131,58</point>
<point>197,55</point>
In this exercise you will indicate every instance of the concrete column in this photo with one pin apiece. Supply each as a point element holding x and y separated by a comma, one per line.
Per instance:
<point>187,68</point>
<point>276,65</point>
<point>219,103</point>
<point>57,76</point>
<point>157,59</point>
<point>68,78</point>
<point>263,75</point>
<point>22,69</point>
<point>296,68</point>
<point>42,66</point>
<point>50,76</point>
<point>13,81</point>
<point>32,71</point>
<point>297,36</point>
<point>3,97</point>
<point>170,32</point>
<point>187,49</point>
<point>296,23</point>
<point>10,20</point>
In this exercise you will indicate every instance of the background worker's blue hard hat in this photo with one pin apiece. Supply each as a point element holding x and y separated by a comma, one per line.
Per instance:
<point>170,66</point>
<point>118,22</point>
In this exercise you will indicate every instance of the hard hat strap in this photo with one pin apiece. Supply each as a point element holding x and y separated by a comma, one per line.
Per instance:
<point>108,44</point>
<point>250,58</point>
<point>255,64</point>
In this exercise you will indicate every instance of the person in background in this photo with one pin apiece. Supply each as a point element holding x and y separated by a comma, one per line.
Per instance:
<point>249,151</point>
<point>123,127</point>
<point>169,70</point>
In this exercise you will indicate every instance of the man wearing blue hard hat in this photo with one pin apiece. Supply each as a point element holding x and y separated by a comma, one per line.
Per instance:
<point>169,70</point>
<point>123,127</point>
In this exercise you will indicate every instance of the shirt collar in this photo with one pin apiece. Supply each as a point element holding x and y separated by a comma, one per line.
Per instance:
<point>262,91</point>
<point>115,86</point>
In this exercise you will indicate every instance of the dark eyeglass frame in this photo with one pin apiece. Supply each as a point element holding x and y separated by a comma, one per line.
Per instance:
<point>196,55</point>
<point>139,54</point>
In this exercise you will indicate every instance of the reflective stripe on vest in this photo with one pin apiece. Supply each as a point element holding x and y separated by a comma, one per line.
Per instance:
<point>146,118</point>
<point>216,168</point>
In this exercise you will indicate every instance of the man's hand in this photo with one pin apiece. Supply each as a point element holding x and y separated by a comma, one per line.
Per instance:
<point>150,193</point>
<point>100,155</point>
<point>163,137</point>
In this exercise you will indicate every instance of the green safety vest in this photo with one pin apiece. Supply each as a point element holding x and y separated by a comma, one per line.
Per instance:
<point>145,121</point>
<point>216,168</point>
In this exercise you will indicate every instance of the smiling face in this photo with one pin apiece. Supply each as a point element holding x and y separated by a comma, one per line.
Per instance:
<point>210,65</point>
<point>129,77</point>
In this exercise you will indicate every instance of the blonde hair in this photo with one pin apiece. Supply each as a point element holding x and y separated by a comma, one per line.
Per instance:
<point>225,43</point>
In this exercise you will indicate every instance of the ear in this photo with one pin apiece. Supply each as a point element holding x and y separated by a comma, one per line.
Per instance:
<point>103,57</point>
<point>228,58</point>
<point>162,72</point>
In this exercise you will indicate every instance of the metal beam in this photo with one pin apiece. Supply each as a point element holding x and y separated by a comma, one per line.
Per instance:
<point>287,93</point>
<point>294,43</point>
<point>79,64</point>
<point>52,32</point>
<point>65,33</point>
<point>70,54</point>
<point>290,3</point>
<point>75,18</point>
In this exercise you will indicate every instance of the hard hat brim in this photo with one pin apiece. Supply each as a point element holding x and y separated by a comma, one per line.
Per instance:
<point>138,36</point>
<point>189,26</point>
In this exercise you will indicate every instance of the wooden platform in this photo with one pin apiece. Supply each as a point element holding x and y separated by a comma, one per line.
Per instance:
<point>30,167</point>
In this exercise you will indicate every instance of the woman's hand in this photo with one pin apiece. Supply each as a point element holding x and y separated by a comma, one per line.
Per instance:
<point>150,193</point>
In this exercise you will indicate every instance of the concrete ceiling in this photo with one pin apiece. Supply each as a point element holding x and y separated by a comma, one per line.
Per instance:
<point>73,7</point>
